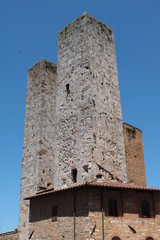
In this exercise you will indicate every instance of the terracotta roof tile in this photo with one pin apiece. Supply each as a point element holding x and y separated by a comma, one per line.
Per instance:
<point>103,184</point>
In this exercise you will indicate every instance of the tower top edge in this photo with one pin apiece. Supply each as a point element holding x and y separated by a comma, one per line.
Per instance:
<point>131,126</point>
<point>44,63</point>
<point>80,20</point>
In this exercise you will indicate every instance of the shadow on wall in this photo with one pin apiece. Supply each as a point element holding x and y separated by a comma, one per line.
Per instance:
<point>115,203</point>
<point>60,204</point>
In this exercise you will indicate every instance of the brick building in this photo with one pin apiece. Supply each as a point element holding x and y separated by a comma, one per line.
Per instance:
<point>83,172</point>
<point>96,210</point>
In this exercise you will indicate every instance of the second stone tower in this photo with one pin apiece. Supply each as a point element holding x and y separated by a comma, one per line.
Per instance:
<point>89,131</point>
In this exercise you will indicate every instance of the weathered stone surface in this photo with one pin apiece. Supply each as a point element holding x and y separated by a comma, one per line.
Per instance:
<point>38,147</point>
<point>89,127</point>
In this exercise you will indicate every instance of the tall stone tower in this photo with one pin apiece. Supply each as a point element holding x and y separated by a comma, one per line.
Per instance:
<point>38,146</point>
<point>89,129</point>
<point>73,115</point>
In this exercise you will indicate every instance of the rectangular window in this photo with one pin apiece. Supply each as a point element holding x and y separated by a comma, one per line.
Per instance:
<point>54,214</point>
<point>113,208</point>
<point>67,89</point>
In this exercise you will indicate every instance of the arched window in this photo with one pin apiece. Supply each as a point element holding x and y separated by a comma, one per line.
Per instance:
<point>149,238</point>
<point>116,238</point>
<point>112,208</point>
<point>145,209</point>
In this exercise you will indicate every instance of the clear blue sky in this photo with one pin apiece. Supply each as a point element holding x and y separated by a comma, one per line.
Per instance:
<point>29,32</point>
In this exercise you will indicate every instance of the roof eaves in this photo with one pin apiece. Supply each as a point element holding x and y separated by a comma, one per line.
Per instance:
<point>108,184</point>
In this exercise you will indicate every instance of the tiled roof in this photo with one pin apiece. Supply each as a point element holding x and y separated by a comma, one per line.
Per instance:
<point>9,233</point>
<point>102,184</point>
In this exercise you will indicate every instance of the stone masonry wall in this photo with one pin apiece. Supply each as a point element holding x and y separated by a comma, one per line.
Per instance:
<point>89,128</point>
<point>39,132</point>
<point>134,155</point>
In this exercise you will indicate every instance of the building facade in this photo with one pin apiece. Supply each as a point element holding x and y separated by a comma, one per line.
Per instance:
<point>83,173</point>
<point>97,210</point>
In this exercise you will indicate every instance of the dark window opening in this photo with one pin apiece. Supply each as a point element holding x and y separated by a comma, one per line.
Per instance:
<point>116,238</point>
<point>74,175</point>
<point>67,89</point>
<point>54,214</point>
<point>145,210</point>
<point>149,238</point>
<point>112,208</point>
<point>99,176</point>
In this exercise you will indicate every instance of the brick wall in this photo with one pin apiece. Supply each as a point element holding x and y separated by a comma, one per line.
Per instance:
<point>134,155</point>
<point>129,224</point>
<point>90,204</point>
<point>41,225</point>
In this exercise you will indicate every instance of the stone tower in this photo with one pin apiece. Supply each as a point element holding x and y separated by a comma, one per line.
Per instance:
<point>89,129</point>
<point>38,146</point>
<point>73,115</point>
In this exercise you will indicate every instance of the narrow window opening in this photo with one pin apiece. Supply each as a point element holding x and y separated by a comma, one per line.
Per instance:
<point>94,104</point>
<point>145,210</point>
<point>67,89</point>
<point>54,214</point>
<point>112,208</point>
<point>74,175</point>
<point>74,172</point>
